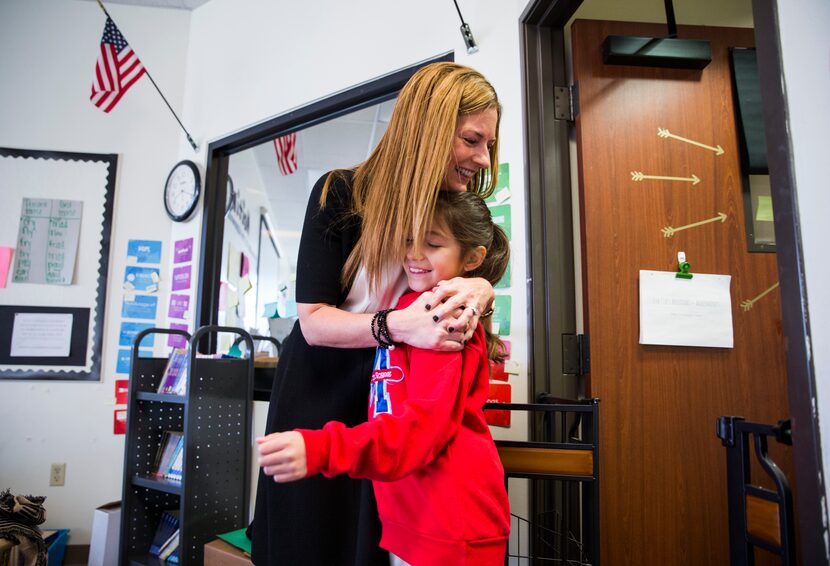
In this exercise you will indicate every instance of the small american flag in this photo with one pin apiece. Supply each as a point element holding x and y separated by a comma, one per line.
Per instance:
<point>116,69</point>
<point>286,148</point>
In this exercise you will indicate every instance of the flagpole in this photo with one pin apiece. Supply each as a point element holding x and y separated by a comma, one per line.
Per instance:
<point>146,72</point>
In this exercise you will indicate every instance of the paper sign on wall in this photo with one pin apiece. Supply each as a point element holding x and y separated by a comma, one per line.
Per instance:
<point>183,250</point>
<point>47,241</point>
<point>501,315</point>
<point>143,251</point>
<point>129,330</point>
<point>499,393</point>
<point>119,421</point>
<point>121,391</point>
<point>685,312</point>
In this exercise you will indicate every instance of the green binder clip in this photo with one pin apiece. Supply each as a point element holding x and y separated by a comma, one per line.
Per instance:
<point>683,267</point>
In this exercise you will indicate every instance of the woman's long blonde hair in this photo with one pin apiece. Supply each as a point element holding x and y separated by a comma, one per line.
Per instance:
<point>395,189</point>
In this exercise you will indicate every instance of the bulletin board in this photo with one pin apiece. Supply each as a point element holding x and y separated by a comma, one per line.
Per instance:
<point>82,187</point>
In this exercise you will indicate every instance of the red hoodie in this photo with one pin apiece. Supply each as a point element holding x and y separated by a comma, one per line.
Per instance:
<point>437,476</point>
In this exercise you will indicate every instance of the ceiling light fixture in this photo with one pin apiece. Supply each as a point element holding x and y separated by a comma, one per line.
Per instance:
<point>466,33</point>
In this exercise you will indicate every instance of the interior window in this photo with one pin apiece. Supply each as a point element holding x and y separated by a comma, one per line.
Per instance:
<point>267,194</point>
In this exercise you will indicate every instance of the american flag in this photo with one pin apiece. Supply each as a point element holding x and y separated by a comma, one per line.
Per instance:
<point>286,148</point>
<point>116,70</point>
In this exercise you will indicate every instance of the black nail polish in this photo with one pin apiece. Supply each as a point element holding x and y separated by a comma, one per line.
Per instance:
<point>463,342</point>
<point>450,329</point>
<point>428,307</point>
<point>435,318</point>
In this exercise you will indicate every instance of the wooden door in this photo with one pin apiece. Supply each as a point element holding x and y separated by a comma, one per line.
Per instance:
<point>663,487</point>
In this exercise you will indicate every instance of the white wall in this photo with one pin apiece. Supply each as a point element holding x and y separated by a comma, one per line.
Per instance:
<point>47,57</point>
<point>805,48</point>
<point>228,65</point>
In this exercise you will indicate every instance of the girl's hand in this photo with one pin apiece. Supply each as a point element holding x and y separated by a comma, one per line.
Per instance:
<point>282,456</point>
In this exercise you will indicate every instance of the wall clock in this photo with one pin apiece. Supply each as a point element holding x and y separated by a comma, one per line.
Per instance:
<point>181,190</point>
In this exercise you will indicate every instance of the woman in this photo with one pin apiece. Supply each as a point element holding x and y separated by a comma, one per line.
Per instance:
<point>443,135</point>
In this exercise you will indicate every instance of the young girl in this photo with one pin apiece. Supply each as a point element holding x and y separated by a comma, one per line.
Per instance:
<point>437,477</point>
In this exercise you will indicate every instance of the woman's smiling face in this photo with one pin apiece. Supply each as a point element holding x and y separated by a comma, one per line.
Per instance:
<point>475,134</point>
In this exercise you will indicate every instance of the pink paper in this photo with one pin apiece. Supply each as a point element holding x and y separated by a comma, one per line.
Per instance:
<point>5,264</point>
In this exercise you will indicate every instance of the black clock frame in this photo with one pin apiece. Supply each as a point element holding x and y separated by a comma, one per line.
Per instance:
<point>197,193</point>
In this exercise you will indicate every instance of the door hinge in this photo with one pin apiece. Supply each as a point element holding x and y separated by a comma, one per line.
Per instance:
<point>566,102</point>
<point>576,354</point>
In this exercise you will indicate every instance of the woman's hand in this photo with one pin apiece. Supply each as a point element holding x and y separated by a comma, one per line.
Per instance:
<point>452,311</point>
<point>460,301</point>
<point>282,456</point>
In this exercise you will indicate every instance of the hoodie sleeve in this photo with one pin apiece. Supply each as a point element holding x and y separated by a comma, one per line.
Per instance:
<point>393,446</point>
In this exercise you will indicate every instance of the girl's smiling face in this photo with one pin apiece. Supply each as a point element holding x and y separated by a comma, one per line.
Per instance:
<point>440,259</point>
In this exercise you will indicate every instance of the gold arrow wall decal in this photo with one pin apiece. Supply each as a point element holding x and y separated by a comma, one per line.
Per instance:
<point>668,231</point>
<point>664,133</point>
<point>638,176</point>
<point>749,303</point>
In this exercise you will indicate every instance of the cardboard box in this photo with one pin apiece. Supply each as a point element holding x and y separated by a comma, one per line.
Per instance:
<point>106,530</point>
<point>220,553</point>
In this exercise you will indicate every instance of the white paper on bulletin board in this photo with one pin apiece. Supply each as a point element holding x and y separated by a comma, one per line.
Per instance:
<point>685,312</point>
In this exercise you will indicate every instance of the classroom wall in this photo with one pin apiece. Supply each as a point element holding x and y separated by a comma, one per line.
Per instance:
<point>48,51</point>
<point>225,66</point>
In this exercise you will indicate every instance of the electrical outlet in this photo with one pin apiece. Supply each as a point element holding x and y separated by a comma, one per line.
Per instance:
<point>57,474</point>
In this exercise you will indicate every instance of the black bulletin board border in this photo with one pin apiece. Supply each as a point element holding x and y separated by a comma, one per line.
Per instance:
<point>94,374</point>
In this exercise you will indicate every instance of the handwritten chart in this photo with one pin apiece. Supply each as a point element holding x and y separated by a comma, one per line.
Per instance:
<point>47,241</point>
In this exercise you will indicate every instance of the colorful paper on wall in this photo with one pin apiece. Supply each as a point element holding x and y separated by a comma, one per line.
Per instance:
<point>181,278</point>
<point>502,186</point>
<point>141,278</point>
<point>5,263</point>
<point>177,340</point>
<point>179,305</point>
<point>245,266</point>
<point>504,282</point>
<point>183,250</point>
<point>144,251</point>
<point>119,421</point>
<point>129,330</point>
<point>501,315</point>
<point>499,393</point>
<point>501,217</point>
<point>122,388</point>
<point>124,360</point>
<point>142,307</point>
<point>497,371</point>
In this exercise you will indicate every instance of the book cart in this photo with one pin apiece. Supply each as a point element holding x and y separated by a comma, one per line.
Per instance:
<point>215,417</point>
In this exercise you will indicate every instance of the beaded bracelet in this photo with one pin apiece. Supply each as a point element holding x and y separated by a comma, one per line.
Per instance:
<point>380,329</point>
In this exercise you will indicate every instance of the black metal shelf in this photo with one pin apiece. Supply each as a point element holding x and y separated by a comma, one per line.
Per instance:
<point>163,397</point>
<point>218,398</point>
<point>159,484</point>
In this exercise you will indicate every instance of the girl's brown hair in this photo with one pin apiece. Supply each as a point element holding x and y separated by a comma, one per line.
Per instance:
<point>468,219</point>
<point>395,189</point>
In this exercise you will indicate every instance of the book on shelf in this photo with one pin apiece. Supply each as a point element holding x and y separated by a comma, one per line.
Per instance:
<point>168,525</point>
<point>175,471</point>
<point>169,551</point>
<point>174,378</point>
<point>172,443</point>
